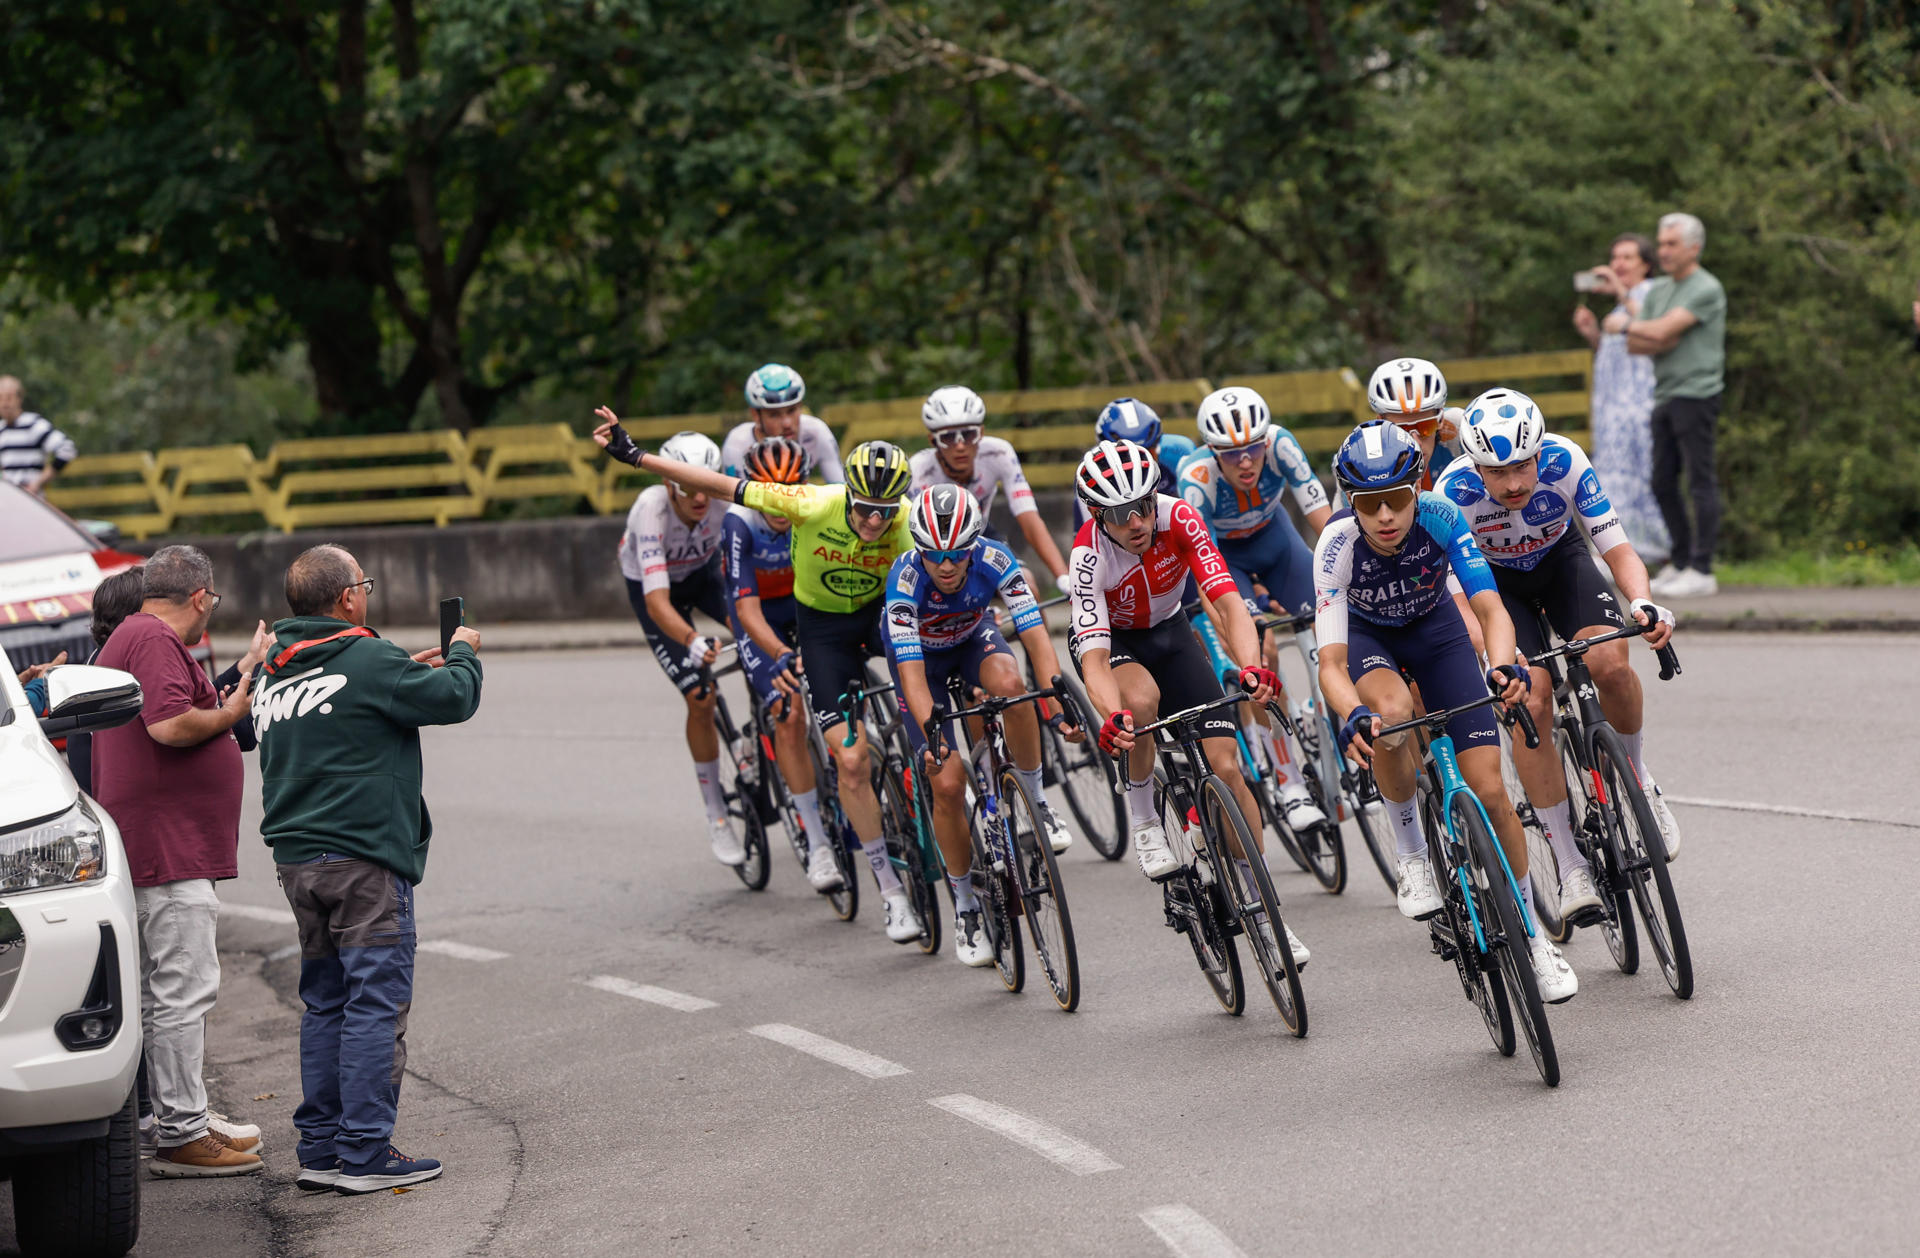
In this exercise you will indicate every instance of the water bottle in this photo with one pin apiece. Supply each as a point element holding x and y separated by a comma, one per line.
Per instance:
<point>746,755</point>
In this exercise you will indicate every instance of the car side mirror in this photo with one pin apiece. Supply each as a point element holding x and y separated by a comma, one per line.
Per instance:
<point>106,532</point>
<point>84,698</point>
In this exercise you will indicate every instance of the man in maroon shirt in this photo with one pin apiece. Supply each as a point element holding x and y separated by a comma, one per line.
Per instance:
<point>172,781</point>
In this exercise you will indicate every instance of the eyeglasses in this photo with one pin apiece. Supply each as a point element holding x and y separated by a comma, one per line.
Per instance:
<point>1242,455</point>
<point>1127,510</point>
<point>213,600</point>
<point>947,438</point>
<point>873,510</point>
<point>365,587</point>
<point>1399,498</point>
<point>1422,427</point>
<point>947,556</point>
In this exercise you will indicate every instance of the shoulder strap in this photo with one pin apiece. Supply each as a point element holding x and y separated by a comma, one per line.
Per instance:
<point>354,631</point>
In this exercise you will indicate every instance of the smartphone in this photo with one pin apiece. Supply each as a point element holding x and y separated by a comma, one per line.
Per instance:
<point>453,614</point>
<point>1586,282</point>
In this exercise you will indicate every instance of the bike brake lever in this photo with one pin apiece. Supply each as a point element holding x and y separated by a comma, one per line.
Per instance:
<point>1527,727</point>
<point>1669,663</point>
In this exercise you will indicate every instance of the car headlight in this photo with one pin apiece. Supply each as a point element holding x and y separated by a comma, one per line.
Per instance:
<point>70,849</point>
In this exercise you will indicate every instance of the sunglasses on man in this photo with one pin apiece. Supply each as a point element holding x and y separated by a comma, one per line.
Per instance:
<point>1120,515</point>
<point>1420,427</point>
<point>873,510</point>
<point>948,438</point>
<point>937,557</point>
<point>1399,498</point>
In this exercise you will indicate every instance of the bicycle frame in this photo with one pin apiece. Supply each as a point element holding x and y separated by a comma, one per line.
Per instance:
<point>886,753</point>
<point>1442,762</point>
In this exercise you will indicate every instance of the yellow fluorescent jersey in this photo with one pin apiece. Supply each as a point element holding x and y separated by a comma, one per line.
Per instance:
<point>833,570</point>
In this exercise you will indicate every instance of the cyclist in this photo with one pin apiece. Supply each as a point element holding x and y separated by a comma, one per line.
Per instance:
<point>960,453</point>
<point>1131,640</point>
<point>756,555</point>
<point>938,630</point>
<point>670,557</point>
<point>1523,490</point>
<point>1412,393</point>
<point>1238,484</point>
<point>774,395</point>
<point>1130,419</point>
<point>1381,573</point>
<point>845,538</point>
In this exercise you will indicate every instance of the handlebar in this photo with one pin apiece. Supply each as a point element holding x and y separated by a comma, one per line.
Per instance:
<point>1669,661</point>
<point>992,705</point>
<point>1435,722</point>
<point>1281,620</point>
<point>851,698</point>
<point>1236,694</point>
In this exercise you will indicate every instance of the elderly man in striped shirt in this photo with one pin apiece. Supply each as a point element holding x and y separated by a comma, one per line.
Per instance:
<point>31,448</point>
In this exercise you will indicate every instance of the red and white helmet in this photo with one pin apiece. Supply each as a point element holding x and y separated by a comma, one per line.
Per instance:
<point>1406,386</point>
<point>1115,473</point>
<point>944,517</point>
<point>1233,417</point>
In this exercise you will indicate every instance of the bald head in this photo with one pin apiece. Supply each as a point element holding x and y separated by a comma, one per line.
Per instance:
<point>318,578</point>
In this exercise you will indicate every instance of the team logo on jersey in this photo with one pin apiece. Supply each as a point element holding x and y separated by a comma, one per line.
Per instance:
<point>1589,496</point>
<point>851,583</point>
<point>998,559</point>
<point>1555,463</point>
<point>1543,508</point>
<point>1465,490</point>
<point>909,579</point>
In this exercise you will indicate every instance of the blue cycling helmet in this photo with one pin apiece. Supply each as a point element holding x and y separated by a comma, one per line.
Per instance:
<point>1377,455</point>
<point>1129,419</point>
<point>775,385</point>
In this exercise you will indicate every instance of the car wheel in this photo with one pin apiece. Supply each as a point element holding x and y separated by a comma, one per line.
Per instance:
<point>84,1200</point>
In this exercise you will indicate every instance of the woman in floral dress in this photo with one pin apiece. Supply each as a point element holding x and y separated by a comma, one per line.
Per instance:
<point>1623,396</point>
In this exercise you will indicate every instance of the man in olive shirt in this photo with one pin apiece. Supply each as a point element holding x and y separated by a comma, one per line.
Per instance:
<point>1682,323</point>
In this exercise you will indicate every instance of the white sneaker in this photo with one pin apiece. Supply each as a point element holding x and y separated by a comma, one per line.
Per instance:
<point>231,1130</point>
<point>727,848</point>
<point>1556,978</point>
<point>1669,828</point>
<point>1666,577</point>
<point>1157,860</point>
<point>1302,812</point>
<point>1418,898</point>
<point>903,926</point>
<point>1300,954</point>
<point>970,941</point>
<point>1059,838</point>
<point>823,871</point>
<point>1577,892</point>
<point>1692,584</point>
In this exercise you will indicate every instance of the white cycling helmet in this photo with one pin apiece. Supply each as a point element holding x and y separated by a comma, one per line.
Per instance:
<point>691,447</point>
<point>1115,473</point>
<point>1406,386</point>
<point>955,406</point>
<point>1232,417</point>
<point>774,385</point>
<point>1502,426</point>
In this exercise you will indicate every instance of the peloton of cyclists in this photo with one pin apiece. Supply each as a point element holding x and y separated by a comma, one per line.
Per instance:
<point>1130,419</point>
<point>960,453</point>
<point>774,396</point>
<point>1412,393</point>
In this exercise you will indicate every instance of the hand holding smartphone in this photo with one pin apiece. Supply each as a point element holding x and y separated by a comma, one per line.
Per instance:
<point>453,614</point>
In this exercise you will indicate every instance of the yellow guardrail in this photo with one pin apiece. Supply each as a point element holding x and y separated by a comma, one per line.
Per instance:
<point>435,477</point>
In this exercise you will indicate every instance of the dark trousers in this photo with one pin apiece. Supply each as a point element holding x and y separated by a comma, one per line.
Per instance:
<point>1683,440</point>
<point>356,980</point>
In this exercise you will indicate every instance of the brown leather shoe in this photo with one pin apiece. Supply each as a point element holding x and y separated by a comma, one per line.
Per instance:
<point>239,1144</point>
<point>203,1158</point>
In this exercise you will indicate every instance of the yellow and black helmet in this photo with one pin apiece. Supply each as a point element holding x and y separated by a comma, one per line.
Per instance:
<point>878,471</point>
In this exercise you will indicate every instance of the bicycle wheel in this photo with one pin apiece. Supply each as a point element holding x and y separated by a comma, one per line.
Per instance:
<point>994,890</point>
<point>1543,867</point>
<point>744,806</point>
<point>1597,830</point>
<point>1043,899</point>
<point>1090,779</point>
<point>1254,902</point>
<point>1482,985</point>
<point>899,823</point>
<point>1644,859</point>
<point>846,845</point>
<point>1195,907</point>
<point>1370,815</point>
<point>1510,946</point>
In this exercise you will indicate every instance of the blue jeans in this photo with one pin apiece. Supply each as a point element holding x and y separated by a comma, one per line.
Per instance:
<point>356,980</point>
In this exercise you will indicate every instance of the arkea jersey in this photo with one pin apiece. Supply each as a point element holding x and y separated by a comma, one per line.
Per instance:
<point>814,437</point>
<point>1569,491</point>
<point>1234,513</point>
<point>1173,451</point>
<point>921,618</point>
<point>1392,590</point>
<point>833,570</point>
<point>1113,589</point>
<point>755,557</point>
<point>995,465</point>
<point>658,548</point>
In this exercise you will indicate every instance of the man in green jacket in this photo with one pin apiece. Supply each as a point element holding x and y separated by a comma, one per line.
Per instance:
<point>338,711</point>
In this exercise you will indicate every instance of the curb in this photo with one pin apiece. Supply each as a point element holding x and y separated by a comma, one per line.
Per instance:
<point>1752,623</point>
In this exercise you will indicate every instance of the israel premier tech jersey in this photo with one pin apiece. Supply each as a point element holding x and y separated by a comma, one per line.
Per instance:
<point>1235,513</point>
<point>1569,492</point>
<point>921,618</point>
<point>1392,590</point>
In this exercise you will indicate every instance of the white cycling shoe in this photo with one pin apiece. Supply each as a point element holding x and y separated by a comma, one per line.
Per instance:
<point>970,941</point>
<point>1302,812</point>
<point>1555,976</point>
<point>1669,828</point>
<point>1300,954</point>
<point>1578,893</point>
<point>727,848</point>
<point>823,871</point>
<point>1059,838</point>
<point>1156,859</point>
<point>903,924</point>
<point>1417,895</point>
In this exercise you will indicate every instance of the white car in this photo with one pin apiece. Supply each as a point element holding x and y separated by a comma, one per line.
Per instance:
<point>69,977</point>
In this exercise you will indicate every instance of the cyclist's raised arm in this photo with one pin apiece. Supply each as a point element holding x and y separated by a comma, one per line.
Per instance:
<point>612,438</point>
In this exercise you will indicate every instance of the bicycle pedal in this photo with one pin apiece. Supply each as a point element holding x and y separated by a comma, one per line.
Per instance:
<point>1593,915</point>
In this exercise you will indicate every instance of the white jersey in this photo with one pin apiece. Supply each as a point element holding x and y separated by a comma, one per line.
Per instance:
<point>814,437</point>
<point>659,549</point>
<point>1569,491</point>
<point>995,465</point>
<point>1113,588</point>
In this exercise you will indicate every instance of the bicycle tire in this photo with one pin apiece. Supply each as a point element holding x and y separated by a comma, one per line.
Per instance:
<point>1090,780</point>
<point>903,840</point>
<point>743,804</point>
<point>1322,845</point>
<point>1208,929</point>
<point>1043,898</point>
<point>1646,861</point>
<point>1484,987</point>
<point>846,845</point>
<point>995,895</point>
<point>1511,950</point>
<point>1225,827</point>
<point>1369,812</point>
<point>1601,830</point>
<point>1543,866</point>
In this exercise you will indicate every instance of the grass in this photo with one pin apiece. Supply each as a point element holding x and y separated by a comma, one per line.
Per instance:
<point>1855,564</point>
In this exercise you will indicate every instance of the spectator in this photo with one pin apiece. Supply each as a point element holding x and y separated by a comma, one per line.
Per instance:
<point>1683,325</point>
<point>1623,397</point>
<point>31,448</point>
<point>339,715</point>
<point>114,599</point>
<point>172,779</point>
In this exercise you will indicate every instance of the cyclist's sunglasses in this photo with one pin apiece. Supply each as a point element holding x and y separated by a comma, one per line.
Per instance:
<point>947,556</point>
<point>1127,510</point>
<point>1399,498</point>
<point>1241,455</point>
<point>873,510</point>
<point>949,437</point>
<point>1423,427</point>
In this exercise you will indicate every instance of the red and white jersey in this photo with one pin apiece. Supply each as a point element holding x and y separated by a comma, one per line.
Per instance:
<point>1113,589</point>
<point>658,548</point>
<point>995,465</point>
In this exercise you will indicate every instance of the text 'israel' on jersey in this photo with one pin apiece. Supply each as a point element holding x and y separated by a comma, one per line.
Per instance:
<point>1569,490</point>
<point>1234,513</point>
<point>1116,589</point>
<point>756,558</point>
<point>995,464</point>
<point>659,547</point>
<point>920,617</point>
<point>1393,589</point>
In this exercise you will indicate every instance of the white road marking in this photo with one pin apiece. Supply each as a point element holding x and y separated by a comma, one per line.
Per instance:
<point>1188,1234</point>
<point>1788,810</point>
<point>465,952</point>
<point>652,995</point>
<point>279,917</point>
<point>1049,1142</point>
<point>861,1063</point>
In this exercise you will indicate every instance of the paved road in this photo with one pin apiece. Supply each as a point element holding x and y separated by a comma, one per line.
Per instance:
<point>1772,1114</point>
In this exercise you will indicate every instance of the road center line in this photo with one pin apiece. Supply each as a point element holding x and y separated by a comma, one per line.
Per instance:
<point>1049,1142</point>
<point>253,912</point>
<point>652,995</point>
<point>1188,1233</point>
<point>861,1063</point>
<point>1788,810</point>
<point>465,952</point>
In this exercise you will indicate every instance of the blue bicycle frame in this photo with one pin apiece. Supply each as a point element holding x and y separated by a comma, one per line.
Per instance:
<point>1452,784</point>
<point>1223,666</point>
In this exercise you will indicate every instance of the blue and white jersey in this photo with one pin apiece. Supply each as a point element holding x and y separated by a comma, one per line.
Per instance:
<point>920,618</point>
<point>1569,491</point>
<point>1234,513</point>
<point>1172,452</point>
<point>756,561</point>
<point>1392,590</point>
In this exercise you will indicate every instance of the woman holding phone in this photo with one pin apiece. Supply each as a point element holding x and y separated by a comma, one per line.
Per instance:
<point>1622,409</point>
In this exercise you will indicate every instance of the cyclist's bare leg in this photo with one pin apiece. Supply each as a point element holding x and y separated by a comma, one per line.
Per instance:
<point>856,786</point>
<point>1539,768</point>
<point>1000,676</point>
<point>790,748</point>
<point>1618,684</point>
<point>949,786</point>
<point>1224,755</point>
<point>1395,758</point>
<point>703,737</point>
<point>1140,695</point>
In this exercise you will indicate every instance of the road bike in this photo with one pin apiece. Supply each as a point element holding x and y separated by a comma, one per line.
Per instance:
<point>743,783</point>
<point>845,899</point>
<point>905,805</point>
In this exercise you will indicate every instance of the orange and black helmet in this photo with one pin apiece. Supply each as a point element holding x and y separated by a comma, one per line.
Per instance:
<point>781,460</point>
